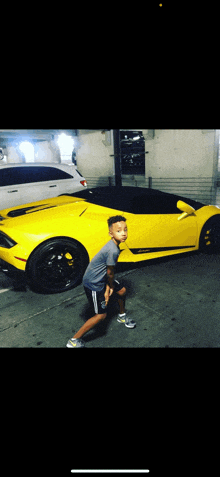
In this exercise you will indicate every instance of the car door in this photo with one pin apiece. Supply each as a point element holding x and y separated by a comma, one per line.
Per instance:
<point>62,182</point>
<point>68,182</point>
<point>9,188</point>
<point>154,225</point>
<point>42,182</point>
<point>71,181</point>
<point>53,181</point>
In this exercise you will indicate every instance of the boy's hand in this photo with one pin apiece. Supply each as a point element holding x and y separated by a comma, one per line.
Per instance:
<point>107,294</point>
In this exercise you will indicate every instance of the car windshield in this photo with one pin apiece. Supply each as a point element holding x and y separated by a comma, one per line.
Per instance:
<point>136,200</point>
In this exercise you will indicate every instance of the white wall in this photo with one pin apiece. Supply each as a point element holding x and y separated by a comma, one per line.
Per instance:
<point>183,161</point>
<point>179,161</point>
<point>181,153</point>
<point>46,151</point>
<point>93,156</point>
<point>13,154</point>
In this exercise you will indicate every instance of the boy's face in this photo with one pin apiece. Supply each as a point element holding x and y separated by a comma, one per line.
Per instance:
<point>119,232</point>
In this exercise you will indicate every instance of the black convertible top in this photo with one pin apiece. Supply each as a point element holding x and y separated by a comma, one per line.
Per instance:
<point>136,200</point>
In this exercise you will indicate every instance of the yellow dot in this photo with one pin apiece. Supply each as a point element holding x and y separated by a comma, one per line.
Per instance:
<point>160,4</point>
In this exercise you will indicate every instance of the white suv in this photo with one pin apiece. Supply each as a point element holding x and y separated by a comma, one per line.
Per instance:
<point>22,183</point>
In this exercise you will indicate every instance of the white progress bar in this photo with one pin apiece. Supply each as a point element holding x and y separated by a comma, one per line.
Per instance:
<point>107,471</point>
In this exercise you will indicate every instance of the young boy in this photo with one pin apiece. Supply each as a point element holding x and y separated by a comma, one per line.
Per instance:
<point>99,282</point>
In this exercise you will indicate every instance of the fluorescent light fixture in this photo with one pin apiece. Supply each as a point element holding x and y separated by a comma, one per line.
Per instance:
<point>113,471</point>
<point>28,150</point>
<point>65,144</point>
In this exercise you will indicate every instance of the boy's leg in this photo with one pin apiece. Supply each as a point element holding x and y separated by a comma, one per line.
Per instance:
<point>122,317</point>
<point>121,300</point>
<point>89,325</point>
<point>96,299</point>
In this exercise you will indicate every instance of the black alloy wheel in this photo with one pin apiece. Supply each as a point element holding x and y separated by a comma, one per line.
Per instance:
<point>57,266</point>
<point>210,236</point>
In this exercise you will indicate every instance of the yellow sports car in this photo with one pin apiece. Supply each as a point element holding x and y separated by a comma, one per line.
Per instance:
<point>53,240</point>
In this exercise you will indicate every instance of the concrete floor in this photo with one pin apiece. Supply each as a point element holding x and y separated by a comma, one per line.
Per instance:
<point>174,301</point>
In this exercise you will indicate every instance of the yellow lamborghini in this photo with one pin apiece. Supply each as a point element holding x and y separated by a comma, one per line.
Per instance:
<point>53,240</point>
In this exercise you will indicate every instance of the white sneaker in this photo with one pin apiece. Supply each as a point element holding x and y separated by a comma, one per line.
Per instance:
<point>127,321</point>
<point>75,343</point>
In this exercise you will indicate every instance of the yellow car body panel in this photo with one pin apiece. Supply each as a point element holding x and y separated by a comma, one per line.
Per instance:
<point>204,214</point>
<point>57,217</point>
<point>149,236</point>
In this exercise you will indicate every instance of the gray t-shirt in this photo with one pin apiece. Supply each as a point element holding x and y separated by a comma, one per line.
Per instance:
<point>95,276</point>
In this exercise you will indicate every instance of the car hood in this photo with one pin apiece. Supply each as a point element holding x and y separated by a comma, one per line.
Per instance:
<point>30,224</point>
<point>42,210</point>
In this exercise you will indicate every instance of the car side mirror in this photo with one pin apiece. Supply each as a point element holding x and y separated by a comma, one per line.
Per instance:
<point>185,208</point>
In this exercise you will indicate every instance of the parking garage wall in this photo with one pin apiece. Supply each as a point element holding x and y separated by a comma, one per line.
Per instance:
<point>176,160</point>
<point>182,161</point>
<point>44,151</point>
<point>95,160</point>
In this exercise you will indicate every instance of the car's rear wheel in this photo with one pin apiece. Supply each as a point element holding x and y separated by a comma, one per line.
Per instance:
<point>57,265</point>
<point>210,236</point>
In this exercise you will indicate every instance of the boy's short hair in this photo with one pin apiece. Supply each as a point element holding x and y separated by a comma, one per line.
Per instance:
<point>116,218</point>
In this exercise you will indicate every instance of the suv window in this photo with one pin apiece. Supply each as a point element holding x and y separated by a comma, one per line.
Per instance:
<point>25,175</point>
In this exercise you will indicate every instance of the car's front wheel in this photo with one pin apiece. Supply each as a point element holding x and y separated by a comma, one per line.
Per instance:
<point>57,265</point>
<point>210,236</point>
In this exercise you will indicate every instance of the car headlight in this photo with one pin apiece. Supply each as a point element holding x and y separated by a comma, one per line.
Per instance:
<point>5,241</point>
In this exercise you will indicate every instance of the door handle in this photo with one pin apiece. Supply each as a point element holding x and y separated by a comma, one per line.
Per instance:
<point>53,185</point>
<point>10,191</point>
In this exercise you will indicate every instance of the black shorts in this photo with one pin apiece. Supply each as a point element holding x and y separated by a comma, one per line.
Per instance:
<point>97,298</point>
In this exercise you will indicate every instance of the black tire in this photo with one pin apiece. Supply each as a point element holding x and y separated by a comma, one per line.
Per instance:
<point>209,241</point>
<point>57,265</point>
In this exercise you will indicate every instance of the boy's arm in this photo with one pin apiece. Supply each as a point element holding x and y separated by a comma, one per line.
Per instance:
<point>109,286</point>
<point>110,275</point>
